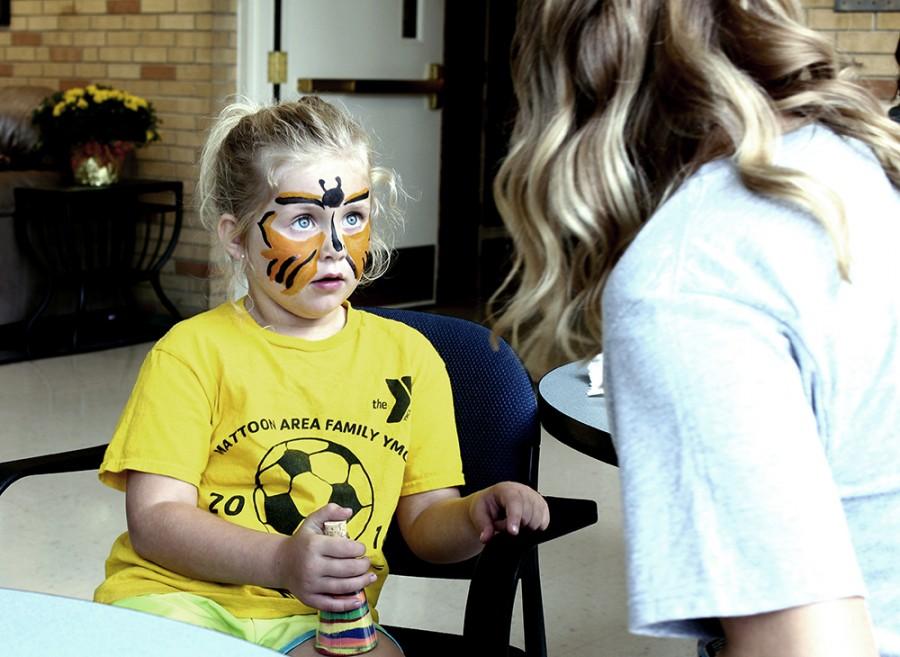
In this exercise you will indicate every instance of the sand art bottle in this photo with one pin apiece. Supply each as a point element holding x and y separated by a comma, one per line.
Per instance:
<point>345,632</point>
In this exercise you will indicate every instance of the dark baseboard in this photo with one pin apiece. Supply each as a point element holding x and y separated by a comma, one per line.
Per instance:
<point>61,335</point>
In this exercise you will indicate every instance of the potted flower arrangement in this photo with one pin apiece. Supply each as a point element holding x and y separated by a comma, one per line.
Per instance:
<point>94,128</point>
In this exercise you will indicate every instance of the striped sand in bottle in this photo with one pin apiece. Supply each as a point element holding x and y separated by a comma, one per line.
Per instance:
<point>345,632</point>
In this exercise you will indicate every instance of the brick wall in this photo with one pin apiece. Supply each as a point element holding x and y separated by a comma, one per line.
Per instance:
<point>867,39</point>
<point>179,54</point>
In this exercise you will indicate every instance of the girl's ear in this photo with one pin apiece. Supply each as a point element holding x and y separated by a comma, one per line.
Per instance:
<point>230,236</point>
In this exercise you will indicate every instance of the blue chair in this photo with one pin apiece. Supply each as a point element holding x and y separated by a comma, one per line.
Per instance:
<point>497,421</point>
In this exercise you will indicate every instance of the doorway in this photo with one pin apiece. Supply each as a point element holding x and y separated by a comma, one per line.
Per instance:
<point>460,258</point>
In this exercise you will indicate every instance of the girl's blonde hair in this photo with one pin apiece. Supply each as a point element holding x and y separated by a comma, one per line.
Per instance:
<point>249,143</point>
<point>619,102</point>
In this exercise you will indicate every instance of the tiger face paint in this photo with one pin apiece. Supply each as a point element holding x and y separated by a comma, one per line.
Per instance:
<point>312,242</point>
<point>288,257</point>
<point>291,263</point>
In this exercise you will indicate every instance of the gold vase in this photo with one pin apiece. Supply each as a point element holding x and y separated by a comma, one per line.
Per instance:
<point>96,165</point>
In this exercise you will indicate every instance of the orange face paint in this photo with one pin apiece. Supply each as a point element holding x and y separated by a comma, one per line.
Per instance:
<point>292,263</point>
<point>358,250</point>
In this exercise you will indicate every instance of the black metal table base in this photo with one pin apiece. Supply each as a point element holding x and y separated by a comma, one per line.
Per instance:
<point>93,245</point>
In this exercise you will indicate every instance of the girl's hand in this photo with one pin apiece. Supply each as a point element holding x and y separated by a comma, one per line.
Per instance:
<point>507,506</point>
<point>324,571</point>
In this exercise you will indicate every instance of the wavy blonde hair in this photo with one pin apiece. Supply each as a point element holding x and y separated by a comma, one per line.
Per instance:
<point>619,102</point>
<point>249,143</point>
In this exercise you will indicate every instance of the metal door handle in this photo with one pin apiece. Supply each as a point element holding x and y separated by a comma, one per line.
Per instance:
<point>433,86</point>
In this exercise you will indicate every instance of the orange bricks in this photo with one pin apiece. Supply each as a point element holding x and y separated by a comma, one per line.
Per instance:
<point>65,54</point>
<point>123,6</point>
<point>157,72</point>
<point>25,38</point>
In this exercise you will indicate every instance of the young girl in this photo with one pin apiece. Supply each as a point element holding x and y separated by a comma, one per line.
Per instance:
<point>254,423</point>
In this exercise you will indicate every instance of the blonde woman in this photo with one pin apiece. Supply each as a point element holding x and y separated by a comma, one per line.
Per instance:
<point>703,169</point>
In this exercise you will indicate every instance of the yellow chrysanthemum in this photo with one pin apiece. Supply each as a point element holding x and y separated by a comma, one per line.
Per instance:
<point>96,112</point>
<point>73,94</point>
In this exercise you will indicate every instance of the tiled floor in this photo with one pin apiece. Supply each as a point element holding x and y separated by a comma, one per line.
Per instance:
<point>56,530</point>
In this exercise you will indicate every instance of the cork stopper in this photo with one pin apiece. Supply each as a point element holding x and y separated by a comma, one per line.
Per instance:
<point>336,528</point>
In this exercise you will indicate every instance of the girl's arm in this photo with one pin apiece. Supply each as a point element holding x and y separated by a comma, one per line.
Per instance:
<point>166,526</point>
<point>835,628</point>
<point>442,527</point>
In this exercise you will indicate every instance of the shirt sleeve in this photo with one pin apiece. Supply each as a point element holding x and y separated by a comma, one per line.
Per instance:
<point>434,460</point>
<point>165,427</point>
<point>730,506</point>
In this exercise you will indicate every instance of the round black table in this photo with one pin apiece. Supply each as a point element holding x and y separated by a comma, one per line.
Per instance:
<point>37,624</point>
<point>573,418</point>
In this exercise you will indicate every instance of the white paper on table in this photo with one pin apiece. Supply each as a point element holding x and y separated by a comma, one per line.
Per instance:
<point>595,374</point>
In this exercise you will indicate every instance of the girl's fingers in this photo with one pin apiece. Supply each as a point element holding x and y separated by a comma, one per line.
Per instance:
<point>344,568</point>
<point>514,509</point>
<point>341,586</point>
<point>333,602</point>
<point>342,548</point>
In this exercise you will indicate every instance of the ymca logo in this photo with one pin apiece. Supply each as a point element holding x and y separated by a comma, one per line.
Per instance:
<point>401,389</point>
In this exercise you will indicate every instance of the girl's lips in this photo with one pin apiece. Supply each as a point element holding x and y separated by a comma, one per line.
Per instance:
<point>329,282</point>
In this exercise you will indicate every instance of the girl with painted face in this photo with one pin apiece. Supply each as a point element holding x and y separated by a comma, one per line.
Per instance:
<point>255,423</point>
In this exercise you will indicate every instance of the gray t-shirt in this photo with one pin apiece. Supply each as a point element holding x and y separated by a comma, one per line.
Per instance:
<point>754,399</point>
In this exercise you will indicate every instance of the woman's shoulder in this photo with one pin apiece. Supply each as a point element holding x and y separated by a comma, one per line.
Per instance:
<point>715,236</point>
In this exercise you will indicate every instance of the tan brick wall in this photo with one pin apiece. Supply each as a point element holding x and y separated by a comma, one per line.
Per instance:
<point>866,39</point>
<point>179,54</point>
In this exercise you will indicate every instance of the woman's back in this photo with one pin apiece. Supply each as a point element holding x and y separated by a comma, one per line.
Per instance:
<point>755,397</point>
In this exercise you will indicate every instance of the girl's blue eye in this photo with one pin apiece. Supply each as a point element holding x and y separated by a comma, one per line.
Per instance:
<point>353,219</point>
<point>304,222</point>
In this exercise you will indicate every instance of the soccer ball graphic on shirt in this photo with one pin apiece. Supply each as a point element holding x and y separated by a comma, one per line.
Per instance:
<point>299,476</point>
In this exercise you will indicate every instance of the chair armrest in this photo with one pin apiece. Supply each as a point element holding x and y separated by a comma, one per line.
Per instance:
<point>492,592</point>
<point>88,458</point>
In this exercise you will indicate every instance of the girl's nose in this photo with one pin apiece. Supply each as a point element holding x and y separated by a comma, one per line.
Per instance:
<point>334,240</point>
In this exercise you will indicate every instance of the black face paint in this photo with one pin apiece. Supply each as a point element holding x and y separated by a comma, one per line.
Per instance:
<point>289,281</point>
<point>332,197</point>
<point>335,241</point>
<point>279,277</point>
<point>289,200</point>
<point>262,228</point>
<point>360,196</point>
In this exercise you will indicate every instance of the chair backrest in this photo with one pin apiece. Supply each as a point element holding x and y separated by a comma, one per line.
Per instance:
<point>496,418</point>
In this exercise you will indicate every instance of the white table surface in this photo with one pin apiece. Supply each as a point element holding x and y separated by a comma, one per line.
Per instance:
<point>571,416</point>
<point>41,625</point>
<point>565,388</point>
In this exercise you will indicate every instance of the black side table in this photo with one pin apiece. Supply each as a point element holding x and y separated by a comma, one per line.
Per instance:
<point>573,418</point>
<point>98,242</point>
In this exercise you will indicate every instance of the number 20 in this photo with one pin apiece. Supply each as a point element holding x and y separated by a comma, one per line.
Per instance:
<point>233,505</point>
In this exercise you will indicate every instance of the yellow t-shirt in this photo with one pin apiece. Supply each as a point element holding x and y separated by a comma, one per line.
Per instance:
<point>270,428</point>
